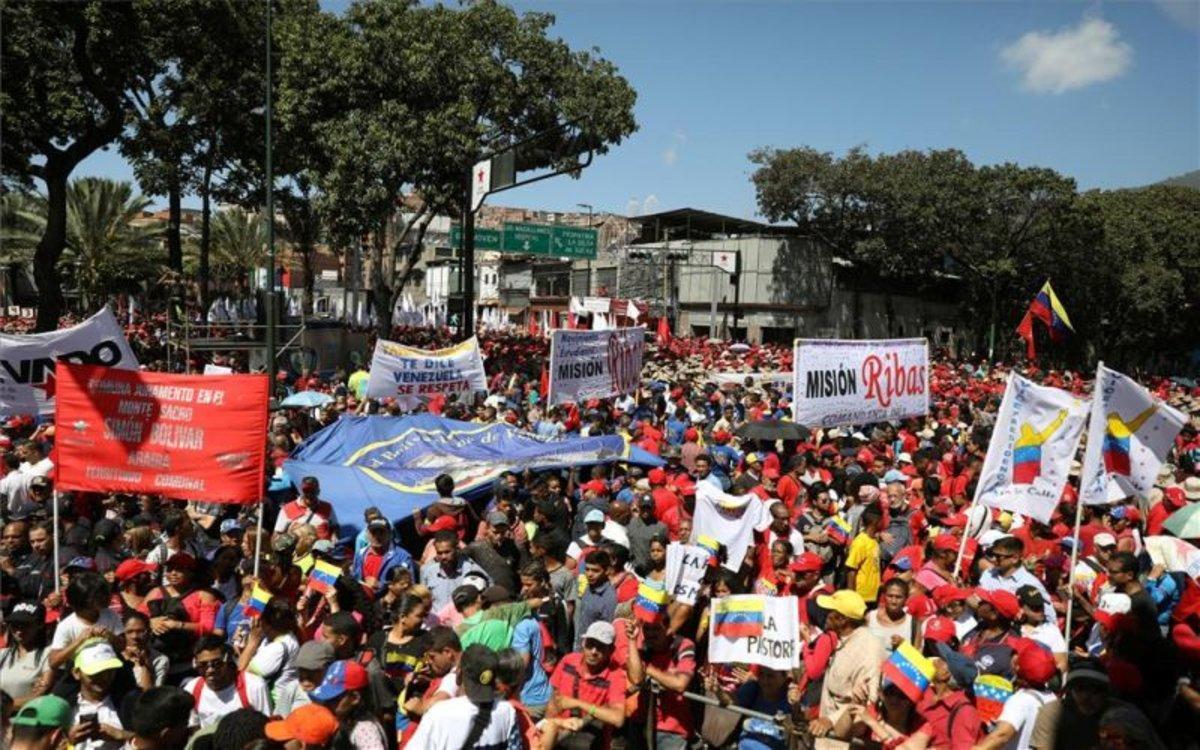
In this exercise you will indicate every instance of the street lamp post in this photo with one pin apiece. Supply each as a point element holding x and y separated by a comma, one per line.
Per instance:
<point>270,210</point>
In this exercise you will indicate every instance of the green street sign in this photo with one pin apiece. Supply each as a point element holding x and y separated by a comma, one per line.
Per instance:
<point>550,240</point>
<point>573,242</point>
<point>527,238</point>
<point>485,239</point>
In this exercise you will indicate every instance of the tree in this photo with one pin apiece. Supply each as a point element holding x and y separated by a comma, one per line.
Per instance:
<point>238,246</point>
<point>420,93</point>
<point>68,69</point>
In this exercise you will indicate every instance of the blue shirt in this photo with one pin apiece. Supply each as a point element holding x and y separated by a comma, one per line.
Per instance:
<point>527,638</point>
<point>228,619</point>
<point>758,734</point>
<point>1020,577</point>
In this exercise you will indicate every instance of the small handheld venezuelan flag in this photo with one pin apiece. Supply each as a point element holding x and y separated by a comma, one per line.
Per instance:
<point>258,601</point>
<point>838,530</point>
<point>991,692</point>
<point>738,616</point>
<point>909,670</point>
<point>710,544</point>
<point>323,577</point>
<point>650,603</point>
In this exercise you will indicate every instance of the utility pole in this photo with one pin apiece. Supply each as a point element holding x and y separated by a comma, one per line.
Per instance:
<point>270,208</point>
<point>588,206</point>
<point>466,276</point>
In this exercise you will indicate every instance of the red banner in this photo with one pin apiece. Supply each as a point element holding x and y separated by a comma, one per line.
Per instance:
<point>192,437</point>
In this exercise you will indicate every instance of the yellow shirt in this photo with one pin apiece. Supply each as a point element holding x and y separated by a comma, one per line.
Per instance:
<point>864,558</point>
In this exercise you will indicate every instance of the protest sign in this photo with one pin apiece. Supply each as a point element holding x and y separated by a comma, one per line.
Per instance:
<point>27,363</point>
<point>408,374</point>
<point>839,382</point>
<point>686,565</point>
<point>595,364</point>
<point>192,437</point>
<point>777,646</point>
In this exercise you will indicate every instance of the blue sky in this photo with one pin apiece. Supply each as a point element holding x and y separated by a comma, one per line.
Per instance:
<point>1108,93</point>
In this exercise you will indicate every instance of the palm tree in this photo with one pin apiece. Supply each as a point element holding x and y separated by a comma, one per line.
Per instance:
<point>20,227</point>
<point>108,243</point>
<point>238,245</point>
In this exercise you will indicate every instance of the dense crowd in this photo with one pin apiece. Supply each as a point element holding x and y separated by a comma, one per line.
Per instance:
<point>513,622</point>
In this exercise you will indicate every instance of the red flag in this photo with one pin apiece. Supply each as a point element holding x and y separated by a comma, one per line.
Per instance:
<point>571,321</point>
<point>544,383</point>
<point>664,332</point>
<point>1025,331</point>
<point>533,326</point>
<point>193,437</point>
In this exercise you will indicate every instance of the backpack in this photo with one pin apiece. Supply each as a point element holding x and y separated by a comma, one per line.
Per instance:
<point>198,690</point>
<point>552,650</point>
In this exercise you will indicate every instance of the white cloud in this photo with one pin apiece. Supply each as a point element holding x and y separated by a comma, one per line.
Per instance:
<point>1056,62</point>
<point>638,207</point>
<point>670,155</point>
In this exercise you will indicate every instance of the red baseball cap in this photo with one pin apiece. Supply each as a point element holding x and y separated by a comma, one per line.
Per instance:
<point>946,543</point>
<point>806,562</point>
<point>940,629</point>
<point>130,568</point>
<point>920,605</point>
<point>657,476</point>
<point>1005,603</point>
<point>1035,664</point>
<point>948,593</point>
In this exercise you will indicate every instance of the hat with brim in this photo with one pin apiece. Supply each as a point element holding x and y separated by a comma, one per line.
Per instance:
<point>44,711</point>
<point>95,657</point>
<point>1086,672</point>
<point>845,602</point>
<point>340,677</point>
<point>312,724</point>
<point>478,667</point>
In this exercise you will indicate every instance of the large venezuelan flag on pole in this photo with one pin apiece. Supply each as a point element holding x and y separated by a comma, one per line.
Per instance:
<point>1046,308</point>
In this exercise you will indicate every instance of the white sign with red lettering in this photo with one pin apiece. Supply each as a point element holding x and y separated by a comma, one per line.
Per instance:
<point>595,364</point>
<point>840,382</point>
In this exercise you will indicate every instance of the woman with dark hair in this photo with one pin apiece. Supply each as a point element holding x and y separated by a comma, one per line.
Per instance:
<point>400,647</point>
<point>25,665</point>
<point>656,565</point>
<point>272,645</point>
<point>476,718</point>
<point>180,612</point>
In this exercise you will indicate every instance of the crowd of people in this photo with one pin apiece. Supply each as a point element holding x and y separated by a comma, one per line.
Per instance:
<point>512,621</point>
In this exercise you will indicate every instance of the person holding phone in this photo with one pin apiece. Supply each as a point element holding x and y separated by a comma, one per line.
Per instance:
<point>96,725</point>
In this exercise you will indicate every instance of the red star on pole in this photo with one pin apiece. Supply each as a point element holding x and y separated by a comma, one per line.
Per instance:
<point>480,175</point>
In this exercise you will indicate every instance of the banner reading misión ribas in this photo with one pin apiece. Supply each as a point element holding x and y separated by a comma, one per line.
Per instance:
<point>841,382</point>
<point>595,364</point>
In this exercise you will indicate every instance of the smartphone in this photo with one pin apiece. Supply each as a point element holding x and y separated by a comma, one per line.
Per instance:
<point>90,720</point>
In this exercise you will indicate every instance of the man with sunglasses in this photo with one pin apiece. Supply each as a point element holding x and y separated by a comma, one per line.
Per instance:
<point>1008,574</point>
<point>221,689</point>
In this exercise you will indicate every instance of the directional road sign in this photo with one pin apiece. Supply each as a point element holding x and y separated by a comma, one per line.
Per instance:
<point>553,240</point>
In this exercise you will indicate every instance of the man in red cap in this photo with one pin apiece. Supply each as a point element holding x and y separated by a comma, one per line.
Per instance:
<point>807,586</point>
<point>690,449</point>
<point>1034,668</point>
<point>951,720</point>
<point>309,509</point>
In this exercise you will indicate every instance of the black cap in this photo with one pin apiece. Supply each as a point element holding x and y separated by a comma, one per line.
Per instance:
<point>39,483</point>
<point>1031,598</point>
<point>479,665</point>
<point>105,531</point>
<point>464,595</point>
<point>24,613</point>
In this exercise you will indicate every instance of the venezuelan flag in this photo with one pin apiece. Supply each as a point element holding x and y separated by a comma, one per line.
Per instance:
<point>258,601</point>
<point>909,670</point>
<point>323,577</point>
<point>738,616</point>
<point>838,530</point>
<point>1046,308</point>
<point>710,544</point>
<point>650,603</point>
<point>991,691</point>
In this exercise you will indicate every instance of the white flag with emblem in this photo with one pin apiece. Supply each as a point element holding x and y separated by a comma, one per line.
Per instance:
<point>1129,436</point>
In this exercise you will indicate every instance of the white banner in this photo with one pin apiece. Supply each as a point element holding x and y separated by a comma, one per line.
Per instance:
<point>27,362</point>
<point>776,648</point>
<point>1129,435</point>
<point>686,565</point>
<point>217,370</point>
<point>781,379</point>
<point>840,382</point>
<point>595,364</point>
<point>1173,554</point>
<point>406,373</point>
<point>597,304</point>
<point>730,519</point>
<point>1037,432</point>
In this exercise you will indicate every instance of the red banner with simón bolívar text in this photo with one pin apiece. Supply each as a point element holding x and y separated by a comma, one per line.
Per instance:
<point>190,437</point>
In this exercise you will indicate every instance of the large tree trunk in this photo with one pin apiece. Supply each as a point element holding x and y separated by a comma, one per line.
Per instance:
<point>174,218</point>
<point>307,250</point>
<point>50,248</point>
<point>381,288</point>
<point>205,233</point>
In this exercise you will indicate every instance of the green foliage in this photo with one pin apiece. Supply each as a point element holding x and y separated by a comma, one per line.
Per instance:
<point>239,245</point>
<point>1003,229</point>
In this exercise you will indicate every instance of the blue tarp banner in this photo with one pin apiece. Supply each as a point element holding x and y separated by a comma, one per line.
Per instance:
<point>391,463</point>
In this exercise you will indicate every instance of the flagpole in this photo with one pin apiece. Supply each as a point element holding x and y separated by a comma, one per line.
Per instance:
<point>258,537</point>
<point>1078,524</point>
<point>57,576</point>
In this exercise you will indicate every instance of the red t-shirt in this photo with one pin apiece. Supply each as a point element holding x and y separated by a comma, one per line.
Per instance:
<point>672,712</point>
<point>788,490</point>
<point>372,562</point>
<point>573,678</point>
